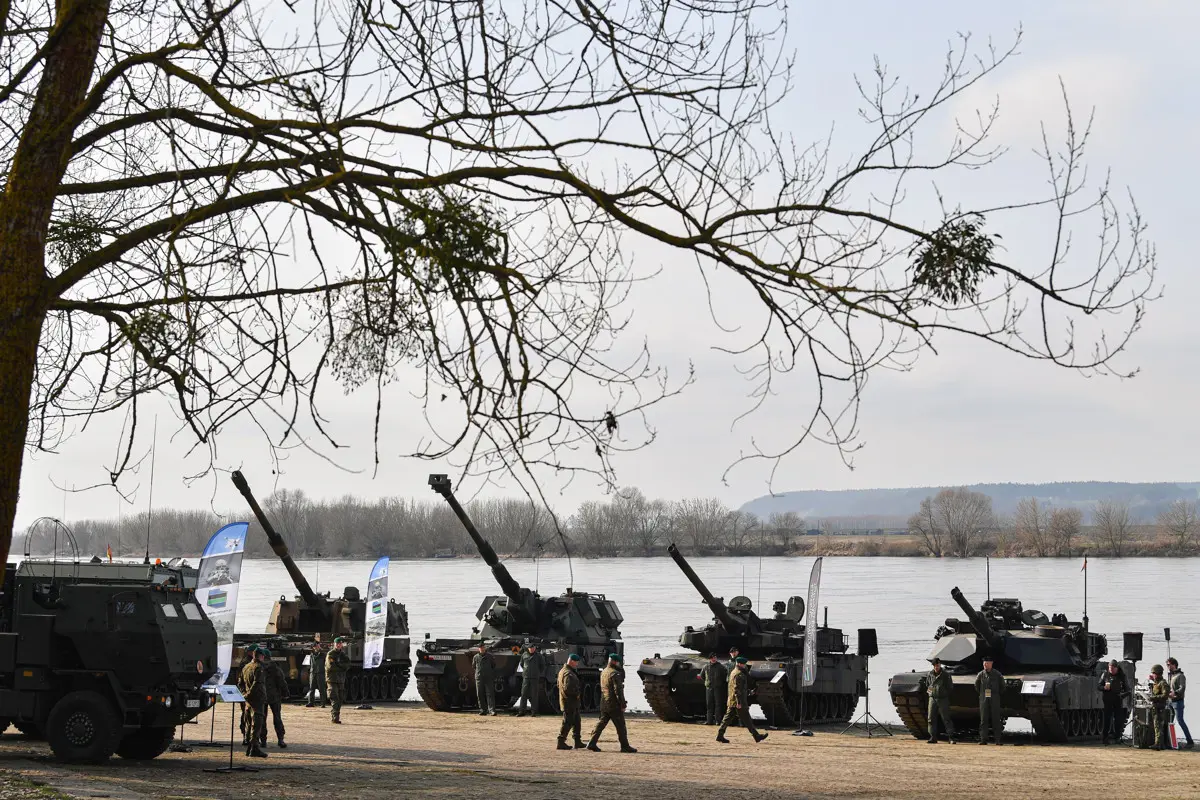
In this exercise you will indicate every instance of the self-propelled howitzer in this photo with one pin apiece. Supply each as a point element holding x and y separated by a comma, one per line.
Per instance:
<point>573,622</point>
<point>296,624</point>
<point>775,648</point>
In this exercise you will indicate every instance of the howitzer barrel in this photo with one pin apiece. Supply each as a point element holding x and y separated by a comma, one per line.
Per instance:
<point>731,623</point>
<point>512,589</point>
<point>311,598</point>
<point>977,620</point>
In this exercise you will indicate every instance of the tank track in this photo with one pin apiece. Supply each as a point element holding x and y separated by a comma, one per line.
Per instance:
<point>1053,724</point>
<point>658,694</point>
<point>913,711</point>
<point>375,686</point>
<point>780,705</point>
<point>427,687</point>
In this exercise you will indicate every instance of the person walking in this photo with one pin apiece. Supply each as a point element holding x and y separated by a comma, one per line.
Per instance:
<point>990,685</point>
<point>1176,684</point>
<point>316,677</point>
<point>570,689</point>
<point>1113,691</point>
<point>1159,697</point>
<point>531,680</point>
<point>738,702</point>
<point>937,683</point>
<point>277,692</point>
<point>337,663</point>
<point>485,681</point>
<point>612,705</point>
<point>255,692</point>
<point>716,687</point>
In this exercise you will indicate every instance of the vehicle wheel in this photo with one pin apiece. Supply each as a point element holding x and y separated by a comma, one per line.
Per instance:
<point>83,728</point>
<point>29,729</point>
<point>146,743</point>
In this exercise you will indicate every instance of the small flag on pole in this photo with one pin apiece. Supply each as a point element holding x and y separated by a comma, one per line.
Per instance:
<point>110,554</point>
<point>1084,564</point>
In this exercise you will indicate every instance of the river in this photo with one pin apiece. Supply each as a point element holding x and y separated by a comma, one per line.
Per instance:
<point>904,599</point>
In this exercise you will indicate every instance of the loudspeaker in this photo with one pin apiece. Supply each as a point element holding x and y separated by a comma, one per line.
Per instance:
<point>867,645</point>
<point>1133,645</point>
<point>1167,634</point>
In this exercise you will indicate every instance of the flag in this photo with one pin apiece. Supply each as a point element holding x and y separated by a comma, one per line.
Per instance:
<point>377,593</point>
<point>110,554</point>
<point>217,589</point>
<point>1084,564</point>
<point>809,674</point>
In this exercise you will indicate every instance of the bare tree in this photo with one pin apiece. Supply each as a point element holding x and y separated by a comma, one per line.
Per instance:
<point>952,521</point>
<point>1065,525</point>
<point>743,532</point>
<point>234,202</point>
<point>1032,522</point>
<point>926,527</point>
<point>643,523</point>
<point>786,526</point>
<point>1180,521</point>
<point>1113,531</point>
<point>595,530</point>
<point>701,522</point>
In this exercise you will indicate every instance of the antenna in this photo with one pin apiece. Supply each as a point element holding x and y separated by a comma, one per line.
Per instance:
<point>761,543</point>
<point>150,504</point>
<point>987,562</point>
<point>743,579</point>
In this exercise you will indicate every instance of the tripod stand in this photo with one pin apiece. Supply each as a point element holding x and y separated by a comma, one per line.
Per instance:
<point>867,716</point>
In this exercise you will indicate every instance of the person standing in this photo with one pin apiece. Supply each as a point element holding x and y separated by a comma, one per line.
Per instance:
<point>485,681</point>
<point>531,680</point>
<point>612,705</point>
<point>1113,691</point>
<point>246,716</point>
<point>738,702</point>
<point>937,683</point>
<point>316,677</point>
<point>1159,696</point>
<point>255,692</point>
<point>716,687</point>
<point>1176,684</point>
<point>337,663</point>
<point>570,689</point>
<point>277,692</point>
<point>990,685</point>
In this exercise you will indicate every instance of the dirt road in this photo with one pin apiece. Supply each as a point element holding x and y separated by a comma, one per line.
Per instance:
<point>411,751</point>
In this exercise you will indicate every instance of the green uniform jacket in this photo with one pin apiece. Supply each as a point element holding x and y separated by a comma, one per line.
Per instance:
<point>612,690</point>
<point>254,683</point>
<point>484,666</point>
<point>938,684</point>
<point>1158,693</point>
<point>531,666</point>
<point>276,683</point>
<point>569,687</point>
<point>739,689</point>
<point>337,663</point>
<point>715,675</point>
<point>989,680</point>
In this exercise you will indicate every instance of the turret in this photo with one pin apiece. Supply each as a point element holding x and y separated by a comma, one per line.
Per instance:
<point>982,629</point>
<point>311,598</point>
<point>733,624</point>
<point>512,589</point>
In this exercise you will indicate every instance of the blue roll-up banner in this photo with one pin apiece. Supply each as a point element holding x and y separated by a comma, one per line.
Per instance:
<point>809,675</point>
<point>217,588</point>
<point>377,605</point>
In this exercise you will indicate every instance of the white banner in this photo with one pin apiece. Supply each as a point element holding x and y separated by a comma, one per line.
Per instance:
<point>377,603</point>
<point>809,675</point>
<point>217,589</point>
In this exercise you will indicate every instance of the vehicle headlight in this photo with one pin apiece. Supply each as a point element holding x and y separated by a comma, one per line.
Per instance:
<point>167,701</point>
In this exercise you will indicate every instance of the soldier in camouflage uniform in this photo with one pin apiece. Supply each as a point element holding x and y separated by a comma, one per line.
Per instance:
<point>612,705</point>
<point>246,715</point>
<point>937,683</point>
<point>485,681</point>
<point>337,663</point>
<point>990,685</point>
<point>716,687</point>
<point>277,692</point>
<point>255,692</point>
<point>316,677</point>
<point>1159,694</point>
<point>738,702</point>
<point>531,680</point>
<point>570,690</point>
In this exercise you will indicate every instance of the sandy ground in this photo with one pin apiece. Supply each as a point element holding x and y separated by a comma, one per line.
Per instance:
<point>410,751</point>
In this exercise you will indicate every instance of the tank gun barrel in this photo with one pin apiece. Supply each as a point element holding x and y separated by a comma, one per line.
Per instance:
<point>977,620</point>
<point>731,623</point>
<point>311,598</point>
<point>512,589</point>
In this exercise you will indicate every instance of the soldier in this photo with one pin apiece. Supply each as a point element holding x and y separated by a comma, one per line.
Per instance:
<point>612,704</point>
<point>277,692</point>
<point>531,680</point>
<point>337,662</point>
<point>485,681</point>
<point>1159,695</point>
<point>1113,690</point>
<point>316,677</point>
<point>990,685</point>
<point>731,665</point>
<point>1176,683</point>
<point>246,714</point>
<point>738,702</point>
<point>255,692</point>
<point>938,684</point>
<point>716,686</point>
<point>569,690</point>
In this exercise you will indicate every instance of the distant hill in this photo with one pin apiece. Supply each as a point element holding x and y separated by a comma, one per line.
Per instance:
<point>1145,500</point>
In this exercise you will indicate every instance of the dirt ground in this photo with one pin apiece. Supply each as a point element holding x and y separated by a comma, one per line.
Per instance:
<point>410,751</point>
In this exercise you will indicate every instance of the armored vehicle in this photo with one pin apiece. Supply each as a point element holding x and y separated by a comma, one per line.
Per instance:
<point>1051,668</point>
<point>573,622</point>
<point>102,657</point>
<point>299,625</point>
<point>774,646</point>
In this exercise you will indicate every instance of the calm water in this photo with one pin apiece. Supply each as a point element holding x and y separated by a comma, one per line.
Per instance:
<point>905,599</point>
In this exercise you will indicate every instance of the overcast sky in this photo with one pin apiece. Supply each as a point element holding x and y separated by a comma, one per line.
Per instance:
<point>969,414</point>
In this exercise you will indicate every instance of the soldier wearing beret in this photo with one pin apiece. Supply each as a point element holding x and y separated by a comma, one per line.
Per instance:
<point>612,704</point>
<point>337,663</point>
<point>990,685</point>
<point>937,683</point>
<point>738,702</point>
<point>570,689</point>
<point>485,680</point>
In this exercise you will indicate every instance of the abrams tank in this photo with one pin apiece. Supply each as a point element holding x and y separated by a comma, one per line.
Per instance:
<point>573,622</point>
<point>1051,668</point>
<point>296,624</point>
<point>774,646</point>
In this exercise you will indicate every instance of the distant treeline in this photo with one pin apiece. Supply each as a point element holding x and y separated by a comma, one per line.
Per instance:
<point>954,522</point>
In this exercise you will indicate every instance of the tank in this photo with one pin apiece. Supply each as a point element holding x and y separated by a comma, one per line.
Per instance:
<point>1051,668</point>
<point>297,623</point>
<point>572,622</point>
<point>102,657</point>
<point>775,647</point>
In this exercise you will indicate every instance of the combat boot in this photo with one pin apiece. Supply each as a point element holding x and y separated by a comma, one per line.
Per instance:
<point>758,737</point>
<point>627,749</point>
<point>579,745</point>
<point>721,736</point>
<point>595,748</point>
<point>282,746</point>
<point>563,745</point>
<point>256,752</point>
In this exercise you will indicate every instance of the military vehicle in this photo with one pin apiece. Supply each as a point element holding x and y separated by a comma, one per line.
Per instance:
<point>296,624</point>
<point>102,657</point>
<point>1051,668</point>
<point>776,645</point>
<point>573,622</point>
